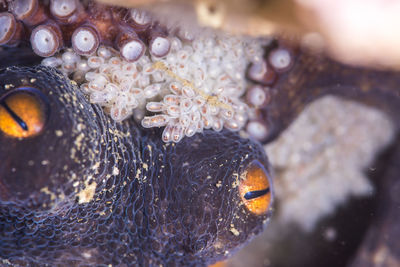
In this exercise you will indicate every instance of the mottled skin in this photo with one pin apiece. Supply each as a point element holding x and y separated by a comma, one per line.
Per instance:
<point>154,203</point>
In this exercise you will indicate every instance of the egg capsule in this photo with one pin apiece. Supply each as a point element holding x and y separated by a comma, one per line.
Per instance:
<point>23,113</point>
<point>255,188</point>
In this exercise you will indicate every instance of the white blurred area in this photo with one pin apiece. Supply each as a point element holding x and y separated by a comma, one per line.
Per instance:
<point>360,32</point>
<point>319,165</point>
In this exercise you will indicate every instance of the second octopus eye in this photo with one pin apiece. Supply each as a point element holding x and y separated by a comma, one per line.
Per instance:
<point>255,188</point>
<point>23,113</point>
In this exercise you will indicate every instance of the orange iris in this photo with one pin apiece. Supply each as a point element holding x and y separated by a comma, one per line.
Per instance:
<point>21,115</point>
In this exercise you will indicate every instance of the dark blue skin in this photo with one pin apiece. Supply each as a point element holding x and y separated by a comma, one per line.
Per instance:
<point>154,203</point>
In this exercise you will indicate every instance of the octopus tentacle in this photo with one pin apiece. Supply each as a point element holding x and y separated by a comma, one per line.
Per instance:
<point>46,39</point>
<point>85,40</point>
<point>67,11</point>
<point>313,76</point>
<point>11,30</point>
<point>130,46</point>
<point>159,45</point>
<point>31,12</point>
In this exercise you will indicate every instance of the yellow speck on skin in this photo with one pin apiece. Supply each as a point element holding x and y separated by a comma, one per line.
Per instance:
<point>86,255</point>
<point>115,171</point>
<point>73,152</point>
<point>59,133</point>
<point>73,83</point>
<point>80,127</point>
<point>236,181</point>
<point>219,184</point>
<point>78,140</point>
<point>48,192</point>
<point>138,172</point>
<point>218,244</point>
<point>145,166</point>
<point>234,231</point>
<point>8,86</point>
<point>96,166</point>
<point>86,195</point>
<point>6,262</point>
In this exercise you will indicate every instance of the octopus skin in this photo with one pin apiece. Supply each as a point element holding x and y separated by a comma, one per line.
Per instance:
<point>152,203</point>
<point>308,77</point>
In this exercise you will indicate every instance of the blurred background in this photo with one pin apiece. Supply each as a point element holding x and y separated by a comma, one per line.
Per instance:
<point>361,32</point>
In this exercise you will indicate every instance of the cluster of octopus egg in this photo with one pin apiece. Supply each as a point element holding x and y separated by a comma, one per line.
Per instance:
<point>130,64</point>
<point>196,85</point>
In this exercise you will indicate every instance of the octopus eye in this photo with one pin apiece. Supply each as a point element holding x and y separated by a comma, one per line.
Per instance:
<point>23,112</point>
<point>255,188</point>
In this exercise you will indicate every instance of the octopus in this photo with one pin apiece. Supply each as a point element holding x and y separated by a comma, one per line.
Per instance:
<point>81,188</point>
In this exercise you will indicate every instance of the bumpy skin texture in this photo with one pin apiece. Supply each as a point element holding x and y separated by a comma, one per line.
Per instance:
<point>154,203</point>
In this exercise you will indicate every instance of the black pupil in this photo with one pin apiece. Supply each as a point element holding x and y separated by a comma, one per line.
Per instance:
<point>255,194</point>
